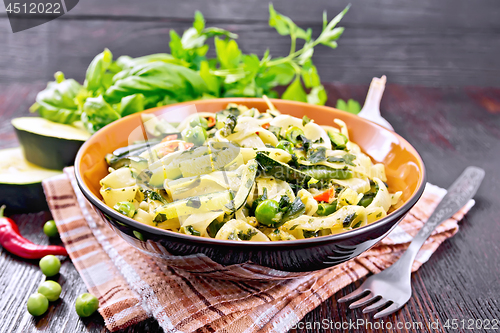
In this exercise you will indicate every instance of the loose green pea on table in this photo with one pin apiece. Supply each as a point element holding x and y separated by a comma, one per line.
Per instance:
<point>50,289</point>
<point>37,304</point>
<point>50,228</point>
<point>86,304</point>
<point>50,265</point>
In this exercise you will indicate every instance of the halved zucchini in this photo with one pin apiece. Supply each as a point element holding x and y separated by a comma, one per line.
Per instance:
<point>48,144</point>
<point>20,182</point>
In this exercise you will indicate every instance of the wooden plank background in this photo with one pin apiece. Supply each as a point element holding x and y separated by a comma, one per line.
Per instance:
<point>424,42</point>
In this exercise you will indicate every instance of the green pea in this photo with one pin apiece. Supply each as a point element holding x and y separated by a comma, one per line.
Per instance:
<point>196,135</point>
<point>292,134</point>
<point>199,121</point>
<point>50,229</point>
<point>86,304</point>
<point>285,145</point>
<point>37,304</point>
<point>50,265</point>
<point>266,212</point>
<point>126,208</point>
<point>50,289</point>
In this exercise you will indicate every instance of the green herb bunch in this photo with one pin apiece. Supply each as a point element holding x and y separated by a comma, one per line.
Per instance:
<point>116,88</point>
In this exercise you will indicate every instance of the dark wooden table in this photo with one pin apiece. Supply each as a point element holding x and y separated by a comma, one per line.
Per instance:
<point>450,127</point>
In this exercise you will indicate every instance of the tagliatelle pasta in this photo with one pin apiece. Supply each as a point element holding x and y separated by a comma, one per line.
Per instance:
<point>246,175</point>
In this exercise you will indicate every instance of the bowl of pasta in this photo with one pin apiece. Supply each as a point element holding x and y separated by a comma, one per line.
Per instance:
<point>249,188</point>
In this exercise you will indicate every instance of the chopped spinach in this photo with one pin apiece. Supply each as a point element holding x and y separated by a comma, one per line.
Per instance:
<point>296,209</point>
<point>347,159</point>
<point>316,155</point>
<point>229,125</point>
<point>305,120</point>
<point>247,235</point>
<point>348,220</point>
<point>309,233</point>
<point>160,218</point>
<point>194,202</point>
<point>192,230</point>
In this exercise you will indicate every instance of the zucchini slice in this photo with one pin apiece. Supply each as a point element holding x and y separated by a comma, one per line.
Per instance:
<point>200,204</point>
<point>247,181</point>
<point>48,144</point>
<point>20,182</point>
<point>283,171</point>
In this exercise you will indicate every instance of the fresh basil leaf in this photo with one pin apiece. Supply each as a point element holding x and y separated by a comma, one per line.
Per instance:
<point>131,104</point>
<point>96,70</point>
<point>97,113</point>
<point>57,101</point>
<point>295,92</point>
<point>157,79</point>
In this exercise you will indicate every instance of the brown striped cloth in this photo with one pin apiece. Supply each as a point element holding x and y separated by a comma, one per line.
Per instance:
<point>132,286</point>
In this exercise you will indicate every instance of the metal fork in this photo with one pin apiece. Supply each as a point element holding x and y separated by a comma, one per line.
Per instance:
<point>393,285</point>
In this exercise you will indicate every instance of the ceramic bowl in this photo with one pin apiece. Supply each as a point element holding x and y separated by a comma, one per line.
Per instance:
<point>256,260</point>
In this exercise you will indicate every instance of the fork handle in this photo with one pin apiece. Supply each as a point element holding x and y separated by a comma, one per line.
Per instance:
<point>460,192</point>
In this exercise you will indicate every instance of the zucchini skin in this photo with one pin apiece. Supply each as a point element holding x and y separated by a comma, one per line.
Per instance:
<point>23,198</point>
<point>48,152</point>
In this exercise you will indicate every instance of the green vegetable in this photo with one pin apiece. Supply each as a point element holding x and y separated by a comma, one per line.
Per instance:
<point>348,220</point>
<point>266,212</point>
<point>296,209</point>
<point>338,140</point>
<point>50,289</point>
<point>286,146</point>
<point>126,208</point>
<point>48,144</point>
<point>86,304</point>
<point>292,134</point>
<point>283,171</point>
<point>21,182</point>
<point>192,231</point>
<point>50,228</point>
<point>57,101</point>
<point>50,265</point>
<point>214,227</point>
<point>129,85</point>
<point>366,200</point>
<point>199,121</point>
<point>325,209</point>
<point>347,159</point>
<point>247,235</point>
<point>38,304</point>
<point>310,233</point>
<point>350,106</point>
<point>196,135</point>
<point>316,155</point>
<point>97,113</point>
<point>228,125</point>
<point>322,172</point>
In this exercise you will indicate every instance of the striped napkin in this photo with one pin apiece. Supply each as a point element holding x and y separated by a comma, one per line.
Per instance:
<point>132,286</point>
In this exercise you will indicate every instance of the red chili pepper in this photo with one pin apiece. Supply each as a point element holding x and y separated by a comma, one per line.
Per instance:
<point>12,241</point>
<point>266,126</point>
<point>326,196</point>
